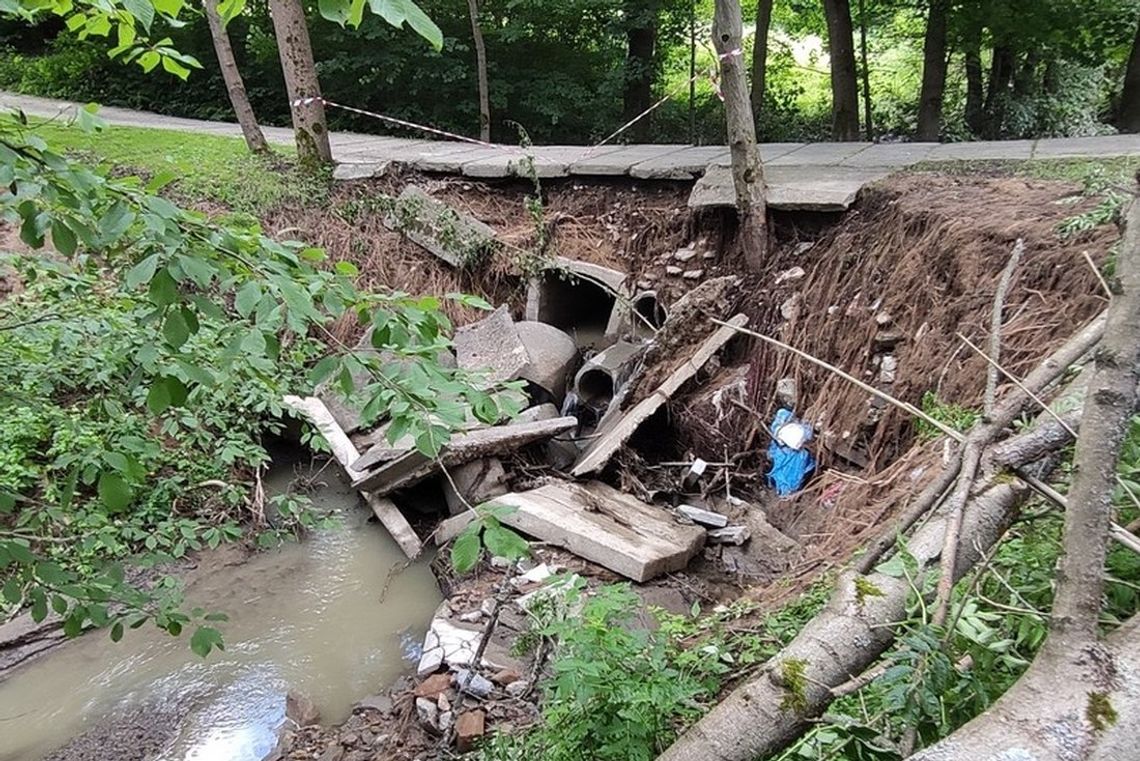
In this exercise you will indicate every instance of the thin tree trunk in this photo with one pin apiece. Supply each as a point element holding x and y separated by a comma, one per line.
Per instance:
<point>1129,120</point>
<point>844,83</point>
<point>1025,76</point>
<point>481,72</point>
<point>304,91</point>
<point>760,55</point>
<point>239,100</point>
<point>641,37</point>
<point>747,171</point>
<point>975,105</point>
<point>997,90</point>
<point>865,65</point>
<point>933,73</point>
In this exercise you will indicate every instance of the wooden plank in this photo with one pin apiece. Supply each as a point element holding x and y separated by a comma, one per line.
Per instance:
<point>412,467</point>
<point>618,430</point>
<point>315,411</point>
<point>605,526</point>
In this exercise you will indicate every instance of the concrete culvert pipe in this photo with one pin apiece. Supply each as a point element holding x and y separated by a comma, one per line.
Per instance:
<point>553,355</point>
<point>603,374</point>
<point>595,387</point>
<point>648,313</point>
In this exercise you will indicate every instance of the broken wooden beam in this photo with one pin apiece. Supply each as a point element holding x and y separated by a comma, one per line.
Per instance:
<point>412,467</point>
<point>343,450</point>
<point>614,432</point>
<point>603,525</point>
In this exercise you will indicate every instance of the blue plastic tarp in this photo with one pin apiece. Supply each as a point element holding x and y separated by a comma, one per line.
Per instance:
<point>790,467</point>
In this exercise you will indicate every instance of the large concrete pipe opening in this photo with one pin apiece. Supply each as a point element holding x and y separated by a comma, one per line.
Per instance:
<point>596,387</point>
<point>648,314</point>
<point>576,305</point>
<point>603,374</point>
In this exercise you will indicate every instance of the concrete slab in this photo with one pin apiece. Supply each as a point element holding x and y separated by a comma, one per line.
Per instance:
<point>986,150</point>
<point>491,347</point>
<point>360,171</point>
<point>547,162</point>
<point>800,188</point>
<point>894,155</point>
<point>453,236</point>
<point>773,151</point>
<point>1101,146</point>
<point>444,157</point>
<point>682,165</point>
<point>818,154</point>
<point>605,162</point>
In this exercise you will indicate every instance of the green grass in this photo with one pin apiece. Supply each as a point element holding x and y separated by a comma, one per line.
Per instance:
<point>207,168</point>
<point>1120,170</point>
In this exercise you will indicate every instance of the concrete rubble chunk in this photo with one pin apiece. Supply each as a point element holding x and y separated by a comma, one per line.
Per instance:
<point>517,689</point>
<point>603,374</point>
<point>364,170</point>
<point>692,274</point>
<point>551,357</point>
<point>605,526</point>
<point>492,346</point>
<point>301,709</point>
<point>473,483</point>
<point>736,535</point>
<point>453,236</point>
<point>673,270</point>
<point>467,681</point>
<point>616,430</point>
<point>433,686</point>
<point>382,703</point>
<point>685,254</point>
<point>703,517</point>
<point>414,466</point>
<point>469,727</point>
<point>427,712</point>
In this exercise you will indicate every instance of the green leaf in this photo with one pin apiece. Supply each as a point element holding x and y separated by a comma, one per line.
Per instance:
<point>174,67</point>
<point>205,639</point>
<point>505,543</point>
<point>163,290</point>
<point>158,398</point>
<point>142,272</point>
<point>117,631</point>
<point>141,10</point>
<point>63,238</point>
<point>13,591</point>
<point>229,9</point>
<point>336,11</point>
<point>465,549</point>
<point>115,493</point>
<point>247,298</point>
<point>396,12</point>
<point>175,330</point>
<point>149,60</point>
<point>168,7</point>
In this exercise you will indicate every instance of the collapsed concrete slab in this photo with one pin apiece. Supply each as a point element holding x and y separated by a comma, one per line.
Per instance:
<point>473,483</point>
<point>616,427</point>
<point>492,346</point>
<point>605,526</point>
<point>457,238</point>
<point>801,188</point>
<point>412,467</point>
<point>582,299</point>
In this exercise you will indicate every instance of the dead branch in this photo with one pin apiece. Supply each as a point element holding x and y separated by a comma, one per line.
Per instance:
<point>995,324</point>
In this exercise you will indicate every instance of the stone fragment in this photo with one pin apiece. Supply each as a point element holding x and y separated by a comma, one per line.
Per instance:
<point>469,682</point>
<point>888,369</point>
<point>443,702</point>
<point>790,309</point>
<point>332,753</point>
<point>786,392</point>
<point>301,709</point>
<point>505,677</point>
<point>693,274</point>
<point>685,254</point>
<point>517,689</point>
<point>427,712</point>
<point>492,345</point>
<point>735,535</point>
<point>703,517</point>
<point>793,273</point>
<point>446,720</point>
<point>883,319</point>
<point>382,703</point>
<point>469,727</point>
<point>470,617</point>
<point>673,271</point>
<point>537,574</point>
<point>433,686</point>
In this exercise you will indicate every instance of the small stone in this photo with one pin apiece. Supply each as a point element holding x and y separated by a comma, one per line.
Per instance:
<point>446,721</point>
<point>349,738</point>
<point>487,608</point>
<point>703,517</point>
<point>430,661</point>
<point>469,727</point>
<point>471,616</point>
<point>517,689</point>
<point>673,271</point>
<point>381,703</point>
<point>708,255</point>
<point>433,686</point>
<point>650,276</point>
<point>793,273</point>
<point>735,535</point>
<point>537,574</point>
<point>443,703</point>
<point>427,712</point>
<point>888,369</point>
<point>473,684</point>
<point>804,247</point>
<point>685,254</point>
<point>790,309</point>
<point>498,562</point>
<point>887,339</point>
<point>786,392</point>
<point>883,319</point>
<point>300,709</point>
<point>693,274</point>
<point>506,676</point>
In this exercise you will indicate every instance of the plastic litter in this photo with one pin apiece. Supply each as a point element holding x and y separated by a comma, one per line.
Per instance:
<point>791,462</point>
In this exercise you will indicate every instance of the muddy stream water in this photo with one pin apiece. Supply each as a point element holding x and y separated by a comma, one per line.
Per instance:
<point>306,617</point>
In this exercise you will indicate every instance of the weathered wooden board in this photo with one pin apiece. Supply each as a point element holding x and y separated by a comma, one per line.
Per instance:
<point>617,430</point>
<point>315,411</point>
<point>603,525</point>
<point>412,467</point>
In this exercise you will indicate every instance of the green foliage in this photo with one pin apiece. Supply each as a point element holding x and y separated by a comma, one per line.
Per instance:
<point>1100,712</point>
<point>793,677</point>
<point>487,532</point>
<point>1112,198</point>
<point>951,415</point>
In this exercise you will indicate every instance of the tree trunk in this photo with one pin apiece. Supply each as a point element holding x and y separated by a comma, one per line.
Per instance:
<point>844,83</point>
<point>1129,120</point>
<point>760,55</point>
<point>301,83</point>
<point>747,171</point>
<point>975,106</point>
<point>481,72</point>
<point>254,139</point>
<point>1002,70</point>
<point>865,65</point>
<point>1076,687</point>
<point>933,73</point>
<point>1025,79</point>
<point>641,38</point>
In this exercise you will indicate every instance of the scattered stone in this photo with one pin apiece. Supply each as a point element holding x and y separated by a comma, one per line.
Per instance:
<point>443,702</point>
<point>673,271</point>
<point>498,561</point>
<point>301,709</point>
<point>518,689</point>
<point>794,273</point>
<point>787,392</point>
<point>539,573</point>
<point>469,682</point>
<point>685,254</point>
<point>703,517</point>
<point>446,721</point>
<point>487,607</point>
<point>469,727</point>
<point>382,703</point>
<point>790,309</point>
<point>433,686</point>
<point>430,661</point>
<point>885,340</point>
<point>470,617</point>
<point>883,319</point>
<point>888,369</point>
<point>644,285</point>
<point>735,535</point>
<point>803,247</point>
<point>693,274</point>
<point>708,255</point>
<point>427,712</point>
<point>505,677</point>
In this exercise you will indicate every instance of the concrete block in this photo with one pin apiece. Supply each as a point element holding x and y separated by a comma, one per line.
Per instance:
<point>552,357</point>
<point>474,483</point>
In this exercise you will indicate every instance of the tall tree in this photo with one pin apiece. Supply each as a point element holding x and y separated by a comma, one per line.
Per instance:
<point>865,70</point>
<point>998,89</point>
<point>975,91</point>
<point>1129,120</point>
<point>844,82</point>
<point>933,73</point>
<point>760,54</point>
<point>301,84</point>
<point>641,39</point>
<point>747,171</point>
<point>481,71</point>
<point>239,100</point>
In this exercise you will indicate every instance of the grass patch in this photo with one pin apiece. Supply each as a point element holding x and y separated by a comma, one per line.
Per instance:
<point>1118,170</point>
<point>212,168</point>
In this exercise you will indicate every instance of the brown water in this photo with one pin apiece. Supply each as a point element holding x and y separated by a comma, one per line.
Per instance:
<point>305,617</point>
